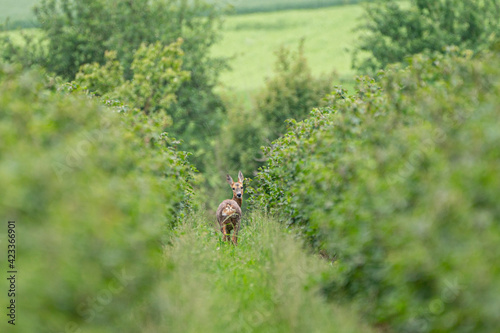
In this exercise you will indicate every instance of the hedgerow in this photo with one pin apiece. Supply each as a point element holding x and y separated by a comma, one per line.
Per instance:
<point>394,30</point>
<point>399,182</point>
<point>94,191</point>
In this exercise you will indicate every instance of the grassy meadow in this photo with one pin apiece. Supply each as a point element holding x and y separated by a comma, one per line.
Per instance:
<point>17,9</point>
<point>252,39</point>
<point>266,284</point>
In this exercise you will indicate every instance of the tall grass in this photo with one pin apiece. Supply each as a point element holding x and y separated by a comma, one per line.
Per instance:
<point>268,283</point>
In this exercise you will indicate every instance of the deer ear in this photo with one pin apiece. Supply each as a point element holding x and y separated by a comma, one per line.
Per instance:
<point>229,180</point>
<point>240,177</point>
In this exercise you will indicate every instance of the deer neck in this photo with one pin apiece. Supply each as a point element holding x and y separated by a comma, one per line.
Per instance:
<point>238,200</point>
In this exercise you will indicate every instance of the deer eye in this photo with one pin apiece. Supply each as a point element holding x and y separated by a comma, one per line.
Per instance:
<point>234,188</point>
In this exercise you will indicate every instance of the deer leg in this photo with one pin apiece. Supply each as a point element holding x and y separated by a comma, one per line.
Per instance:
<point>228,230</point>
<point>224,233</point>
<point>235,234</point>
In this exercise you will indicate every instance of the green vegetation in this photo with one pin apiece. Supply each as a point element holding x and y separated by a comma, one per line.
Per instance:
<point>259,43</point>
<point>292,92</point>
<point>94,190</point>
<point>400,183</point>
<point>80,33</point>
<point>377,210</point>
<point>394,31</point>
<point>17,9</point>
<point>98,194</point>
<point>252,40</point>
<point>156,77</point>
<point>266,284</point>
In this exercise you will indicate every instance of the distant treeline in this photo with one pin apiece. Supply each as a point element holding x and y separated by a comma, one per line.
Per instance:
<point>239,7</point>
<point>255,6</point>
<point>6,25</point>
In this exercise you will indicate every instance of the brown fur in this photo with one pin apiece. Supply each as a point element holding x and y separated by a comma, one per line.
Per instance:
<point>237,188</point>
<point>227,224</point>
<point>229,207</point>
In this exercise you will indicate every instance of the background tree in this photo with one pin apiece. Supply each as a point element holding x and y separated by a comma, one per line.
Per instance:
<point>292,92</point>
<point>394,31</point>
<point>80,32</point>
<point>156,77</point>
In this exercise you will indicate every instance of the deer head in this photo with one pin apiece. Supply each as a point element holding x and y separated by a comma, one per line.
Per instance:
<point>237,187</point>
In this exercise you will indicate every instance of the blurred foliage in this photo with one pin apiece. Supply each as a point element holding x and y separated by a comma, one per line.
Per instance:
<point>395,30</point>
<point>241,136</point>
<point>156,77</point>
<point>400,182</point>
<point>27,48</point>
<point>292,92</point>
<point>81,32</point>
<point>94,191</point>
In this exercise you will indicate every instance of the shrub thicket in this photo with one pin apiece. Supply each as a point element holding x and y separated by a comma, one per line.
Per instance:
<point>400,182</point>
<point>25,47</point>
<point>396,30</point>
<point>156,77</point>
<point>240,139</point>
<point>77,33</point>
<point>292,92</point>
<point>93,191</point>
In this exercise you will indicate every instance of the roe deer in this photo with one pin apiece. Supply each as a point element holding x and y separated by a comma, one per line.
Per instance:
<point>229,211</point>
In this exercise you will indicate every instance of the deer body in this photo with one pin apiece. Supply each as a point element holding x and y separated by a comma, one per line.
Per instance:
<point>229,211</point>
<point>229,217</point>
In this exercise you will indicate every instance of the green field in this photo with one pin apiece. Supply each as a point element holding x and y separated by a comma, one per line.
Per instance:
<point>252,40</point>
<point>17,9</point>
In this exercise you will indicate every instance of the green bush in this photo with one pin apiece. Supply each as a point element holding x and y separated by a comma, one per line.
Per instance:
<point>400,182</point>
<point>240,139</point>
<point>395,30</point>
<point>156,77</point>
<point>292,92</point>
<point>25,47</point>
<point>77,33</point>
<point>94,191</point>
